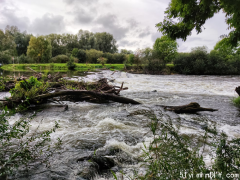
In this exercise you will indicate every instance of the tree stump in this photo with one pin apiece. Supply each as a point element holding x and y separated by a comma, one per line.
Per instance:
<point>238,90</point>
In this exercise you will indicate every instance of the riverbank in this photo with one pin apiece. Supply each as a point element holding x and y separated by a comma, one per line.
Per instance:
<point>60,67</point>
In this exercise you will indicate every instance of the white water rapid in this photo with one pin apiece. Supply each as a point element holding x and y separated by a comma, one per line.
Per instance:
<point>86,127</point>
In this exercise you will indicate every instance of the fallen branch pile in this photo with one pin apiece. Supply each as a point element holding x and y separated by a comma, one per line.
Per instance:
<point>58,90</point>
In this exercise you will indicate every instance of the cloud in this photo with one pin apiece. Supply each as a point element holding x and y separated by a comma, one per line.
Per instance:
<point>9,17</point>
<point>85,2</point>
<point>48,24</point>
<point>83,16</point>
<point>126,43</point>
<point>155,35</point>
<point>144,33</point>
<point>110,23</point>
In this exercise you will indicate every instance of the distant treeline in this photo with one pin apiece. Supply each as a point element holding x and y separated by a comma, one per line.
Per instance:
<point>85,46</point>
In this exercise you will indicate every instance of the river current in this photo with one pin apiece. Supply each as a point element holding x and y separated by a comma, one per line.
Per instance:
<point>88,127</point>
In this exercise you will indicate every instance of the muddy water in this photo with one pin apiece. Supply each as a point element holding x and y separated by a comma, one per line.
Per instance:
<point>86,127</point>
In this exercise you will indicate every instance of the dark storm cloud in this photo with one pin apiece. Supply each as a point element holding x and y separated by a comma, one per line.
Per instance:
<point>8,17</point>
<point>144,33</point>
<point>83,16</point>
<point>80,2</point>
<point>48,24</point>
<point>110,23</point>
<point>125,43</point>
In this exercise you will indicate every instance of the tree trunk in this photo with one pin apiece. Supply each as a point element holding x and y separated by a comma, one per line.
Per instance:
<point>193,107</point>
<point>84,93</point>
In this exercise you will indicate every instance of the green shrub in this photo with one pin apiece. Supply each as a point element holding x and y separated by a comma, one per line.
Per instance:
<point>59,59</point>
<point>25,59</point>
<point>28,89</point>
<point>71,65</point>
<point>236,101</point>
<point>102,60</point>
<point>171,155</point>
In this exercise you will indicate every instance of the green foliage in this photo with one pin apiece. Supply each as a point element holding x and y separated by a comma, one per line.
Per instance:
<point>102,60</point>
<point>130,58</point>
<point>226,50</point>
<point>59,59</point>
<point>227,156</point>
<point>200,62</point>
<point>40,49</point>
<point>236,101</point>
<point>19,148</point>
<point>92,55</point>
<point>184,16</point>
<point>5,57</point>
<point>166,48</point>
<point>70,64</point>
<point>25,59</point>
<point>171,155</point>
<point>28,89</point>
<point>74,52</point>
<point>81,55</point>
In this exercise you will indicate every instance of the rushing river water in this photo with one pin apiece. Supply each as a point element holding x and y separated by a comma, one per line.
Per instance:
<point>86,127</point>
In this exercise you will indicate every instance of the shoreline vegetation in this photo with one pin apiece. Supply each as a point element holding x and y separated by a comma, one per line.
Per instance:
<point>62,67</point>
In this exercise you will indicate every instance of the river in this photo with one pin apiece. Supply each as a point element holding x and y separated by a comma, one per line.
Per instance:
<point>86,127</point>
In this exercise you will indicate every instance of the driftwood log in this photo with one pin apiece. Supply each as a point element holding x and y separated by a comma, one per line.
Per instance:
<point>238,90</point>
<point>81,94</point>
<point>193,107</point>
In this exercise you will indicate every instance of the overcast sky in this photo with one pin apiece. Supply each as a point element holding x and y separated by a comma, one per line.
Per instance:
<point>132,22</point>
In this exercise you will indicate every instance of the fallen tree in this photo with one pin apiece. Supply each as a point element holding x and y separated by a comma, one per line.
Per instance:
<point>193,107</point>
<point>32,92</point>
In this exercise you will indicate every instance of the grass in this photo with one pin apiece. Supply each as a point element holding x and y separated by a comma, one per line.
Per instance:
<point>60,66</point>
<point>236,101</point>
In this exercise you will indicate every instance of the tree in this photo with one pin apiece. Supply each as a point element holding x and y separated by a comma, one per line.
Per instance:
<point>74,52</point>
<point>166,48</point>
<point>22,42</point>
<point>40,49</point>
<point>125,51</point>
<point>57,44</point>
<point>224,48</point>
<point>105,42</point>
<point>192,14</point>
<point>81,55</point>
<point>92,55</point>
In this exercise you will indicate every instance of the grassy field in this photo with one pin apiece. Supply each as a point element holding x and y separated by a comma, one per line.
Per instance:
<point>60,66</point>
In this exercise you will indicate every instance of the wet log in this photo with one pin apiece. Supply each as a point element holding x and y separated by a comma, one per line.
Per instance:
<point>193,107</point>
<point>238,90</point>
<point>84,93</point>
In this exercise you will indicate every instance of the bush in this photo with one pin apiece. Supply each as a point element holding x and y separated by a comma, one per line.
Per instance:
<point>28,89</point>
<point>19,148</point>
<point>59,59</point>
<point>171,155</point>
<point>71,65</point>
<point>5,57</point>
<point>25,59</point>
<point>236,101</point>
<point>102,60</point>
